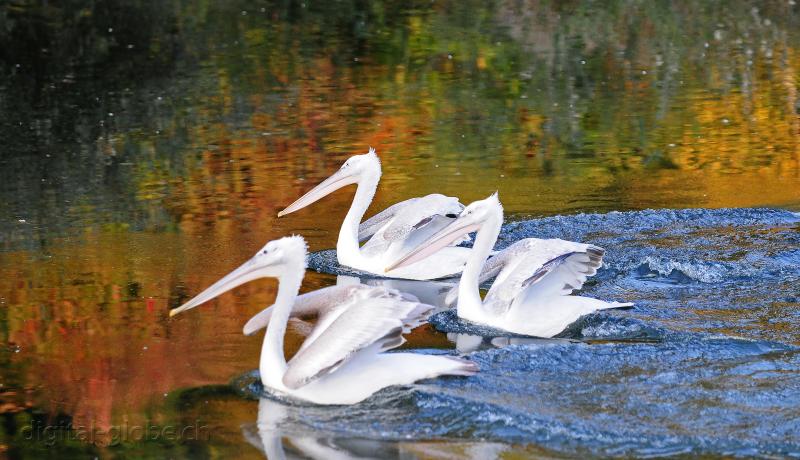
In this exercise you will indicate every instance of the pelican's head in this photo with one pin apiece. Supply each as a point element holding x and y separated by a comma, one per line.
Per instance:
<point>472,218</point>
<point>362,164</point>
<point>356,168</point>
<point>276,259</point>
<point>483,210</point>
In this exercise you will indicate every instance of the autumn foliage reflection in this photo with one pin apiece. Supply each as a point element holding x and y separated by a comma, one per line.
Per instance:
<point>561,106</point>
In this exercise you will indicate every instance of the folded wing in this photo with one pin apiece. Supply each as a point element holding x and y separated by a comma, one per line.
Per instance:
<point>322,303</point>
<point>541,268</point>
<point>371,324</point>
<point>411,223</point>
<point>371,226</point>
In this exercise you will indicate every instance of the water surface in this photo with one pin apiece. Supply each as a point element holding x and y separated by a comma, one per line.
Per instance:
<point>148,146</point>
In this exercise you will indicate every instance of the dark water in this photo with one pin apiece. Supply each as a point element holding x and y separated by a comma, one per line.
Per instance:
<point>147,147</point>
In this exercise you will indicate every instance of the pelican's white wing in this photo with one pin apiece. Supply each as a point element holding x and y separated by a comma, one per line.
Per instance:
<point>314,303</point>
<point>411,223</point>
<point>370,324</point>
<point>371,226</point>
<point>542,268</point>
<point>419,212</point>
<point>509,256</point>
<point>357,297</point>
<point>322,303</point>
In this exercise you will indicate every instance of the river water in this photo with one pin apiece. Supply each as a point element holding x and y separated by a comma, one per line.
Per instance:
<point>147,148</point>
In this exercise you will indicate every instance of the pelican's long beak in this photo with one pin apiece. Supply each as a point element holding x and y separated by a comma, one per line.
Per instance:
<point>458,228</point>
<point>338,180</point>
<point>248,271</point>
<point>259,321</point>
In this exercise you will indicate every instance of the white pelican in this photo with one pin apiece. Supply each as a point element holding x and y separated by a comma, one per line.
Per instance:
<point>392,232</point>
<point>530,294</point>
<point>341,362</point>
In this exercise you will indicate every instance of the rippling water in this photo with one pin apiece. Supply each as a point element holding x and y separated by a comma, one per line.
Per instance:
<point>147,147</point>
<point>707,362</point>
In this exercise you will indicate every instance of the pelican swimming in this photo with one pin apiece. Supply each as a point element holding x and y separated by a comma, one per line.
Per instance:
<point>534,277</point>
<point>342,360</point>
<point>392,232</point>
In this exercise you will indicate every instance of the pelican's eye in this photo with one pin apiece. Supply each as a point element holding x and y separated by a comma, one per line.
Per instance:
<point>451,215</point>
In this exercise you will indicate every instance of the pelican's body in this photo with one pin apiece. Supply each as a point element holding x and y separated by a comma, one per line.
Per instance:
<point>534,277</point>
<point>342,360</point>
<point>391,233</point>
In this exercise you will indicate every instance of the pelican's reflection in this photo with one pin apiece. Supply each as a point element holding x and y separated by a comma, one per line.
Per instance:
<point>467,343</point>
<point>273,435</point>
<point>429,292</point>
<point>282,432</point>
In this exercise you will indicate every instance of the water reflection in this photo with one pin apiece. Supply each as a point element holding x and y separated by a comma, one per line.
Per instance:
<point>467,343</point>
<point>671,109</point>
<point>147,147</point>
<point>271,435</point>
<point>280,433</point>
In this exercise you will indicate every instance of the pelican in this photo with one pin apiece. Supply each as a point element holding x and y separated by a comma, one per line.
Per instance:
<point>392,232</point>
<point>534,277</point>
<point>342,360</point>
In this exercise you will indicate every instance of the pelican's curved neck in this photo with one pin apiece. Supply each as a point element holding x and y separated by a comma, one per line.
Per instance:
<point>273,361</point>
<point>347,245</point>
<point>470,305</point>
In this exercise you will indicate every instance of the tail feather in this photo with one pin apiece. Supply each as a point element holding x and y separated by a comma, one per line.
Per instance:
<point>417,317</point>
<point>464,367</point>
<point>620,305</point>
<point>590,304</point>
